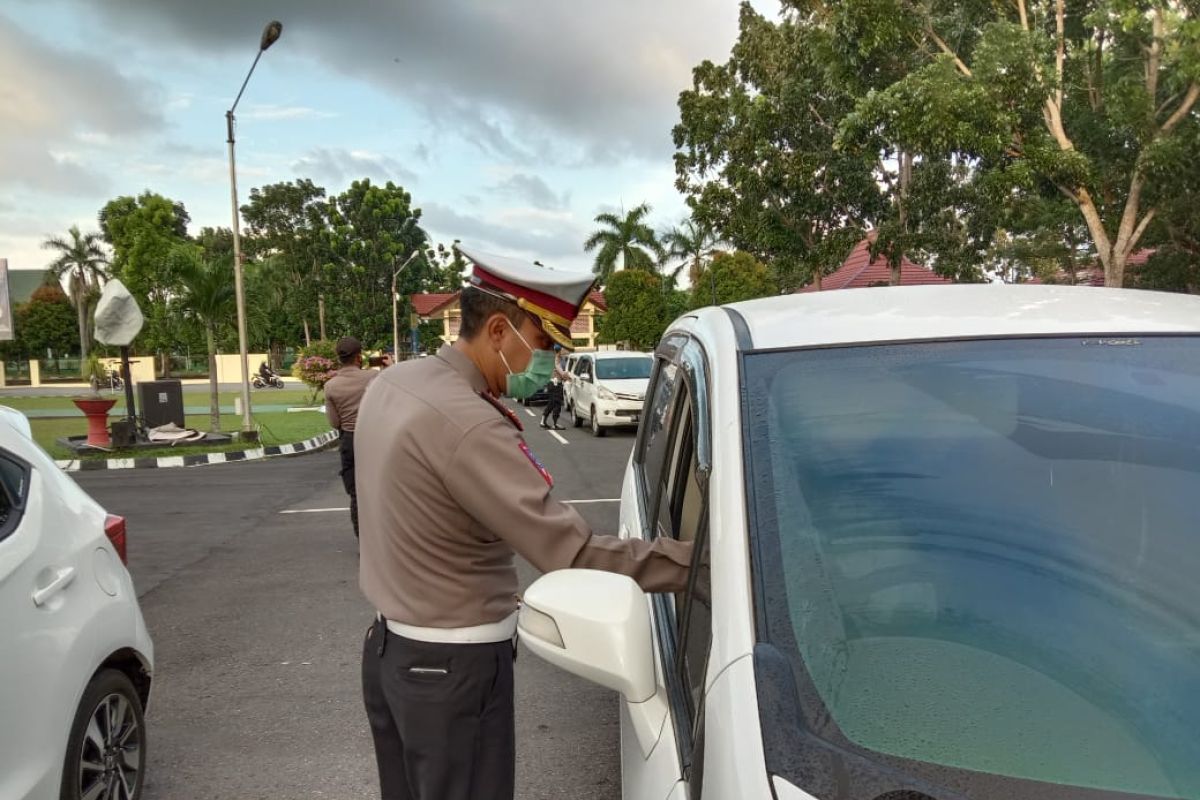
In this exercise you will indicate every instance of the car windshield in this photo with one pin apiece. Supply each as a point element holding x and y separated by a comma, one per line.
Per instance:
<point>983,557</point>
<point>615,369</point>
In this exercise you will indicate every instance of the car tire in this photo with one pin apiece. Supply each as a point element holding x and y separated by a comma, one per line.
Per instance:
<point>117,760</point>
<point>597,430</point>
<point>576,420</point>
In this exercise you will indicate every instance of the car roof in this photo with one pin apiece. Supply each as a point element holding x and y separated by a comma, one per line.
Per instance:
<point>16,420</point>
<point>960,312</point>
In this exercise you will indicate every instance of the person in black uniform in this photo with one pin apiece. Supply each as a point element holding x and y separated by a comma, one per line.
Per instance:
<point>554,402</point>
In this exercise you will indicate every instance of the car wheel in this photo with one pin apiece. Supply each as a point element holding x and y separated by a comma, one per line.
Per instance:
<point>576,420</point>
<point>107,746</point>
<point>596,429</point>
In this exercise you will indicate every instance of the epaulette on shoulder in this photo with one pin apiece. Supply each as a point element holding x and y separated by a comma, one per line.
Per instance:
<point>504,410</point>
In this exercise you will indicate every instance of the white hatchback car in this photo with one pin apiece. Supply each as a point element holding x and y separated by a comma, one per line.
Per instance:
<point>951,548</point>
<point>76,666</point>
<point>607,389</point>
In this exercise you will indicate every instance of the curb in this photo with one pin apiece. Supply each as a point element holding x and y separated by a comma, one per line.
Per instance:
<point>200,459</point>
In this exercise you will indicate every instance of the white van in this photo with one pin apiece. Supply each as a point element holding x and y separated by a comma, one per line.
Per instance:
<point>607,389</point>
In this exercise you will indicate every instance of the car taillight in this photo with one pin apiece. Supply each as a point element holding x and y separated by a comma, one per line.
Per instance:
<point>114,529</point>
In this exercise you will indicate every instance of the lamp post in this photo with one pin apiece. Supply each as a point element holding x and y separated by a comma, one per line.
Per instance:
<point>395,301</point>
<point>270,35</point>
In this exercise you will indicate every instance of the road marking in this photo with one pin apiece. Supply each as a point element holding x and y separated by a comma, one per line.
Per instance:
<point>314,510</point>
<point>556,435</point>
<point>531,412</point>
<point>582,502</point>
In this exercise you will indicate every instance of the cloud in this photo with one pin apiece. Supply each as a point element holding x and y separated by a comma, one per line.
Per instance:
<point>513,231</point>
<point>54,100</point>
<point>32,165</point>
<point>603,75</point>
<point>534,191</point>
<point>337,165</point>
<point>270,112</point>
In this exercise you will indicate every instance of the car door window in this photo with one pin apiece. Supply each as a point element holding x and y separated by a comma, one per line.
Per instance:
<point>654,437</point>
<point>14,491</point>
<point>677,507</point>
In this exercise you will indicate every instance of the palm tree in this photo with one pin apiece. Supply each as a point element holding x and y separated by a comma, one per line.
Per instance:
<point>207,294</point>
<point>625,243</point>
<point>693,243</point>
<point>81,257</point>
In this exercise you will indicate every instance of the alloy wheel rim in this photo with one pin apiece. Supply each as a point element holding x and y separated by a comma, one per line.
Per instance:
<point>110,760</point>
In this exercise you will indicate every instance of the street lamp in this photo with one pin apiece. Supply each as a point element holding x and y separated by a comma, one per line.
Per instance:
<point>395,300</point>
<point>270,35</point>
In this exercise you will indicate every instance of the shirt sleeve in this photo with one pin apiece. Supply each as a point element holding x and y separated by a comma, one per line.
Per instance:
<point>331,411</point>
<point>496,479</point>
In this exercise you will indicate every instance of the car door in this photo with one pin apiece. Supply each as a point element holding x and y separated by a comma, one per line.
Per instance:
<point>669,498</point>
<point>48,655</point>
<point>585,385</point>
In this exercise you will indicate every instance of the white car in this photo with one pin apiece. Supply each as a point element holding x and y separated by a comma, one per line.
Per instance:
<point>951,539</point>
<point>607,389</point>
<point>75,658</point>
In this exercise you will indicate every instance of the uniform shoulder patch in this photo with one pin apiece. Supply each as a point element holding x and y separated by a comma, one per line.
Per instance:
<point>504,410</point>
<point>537,464</point>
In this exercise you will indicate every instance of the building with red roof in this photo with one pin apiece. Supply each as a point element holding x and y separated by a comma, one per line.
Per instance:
<point>860,271</point>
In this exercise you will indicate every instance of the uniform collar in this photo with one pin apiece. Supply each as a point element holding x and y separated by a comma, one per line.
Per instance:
<point>463,366</point>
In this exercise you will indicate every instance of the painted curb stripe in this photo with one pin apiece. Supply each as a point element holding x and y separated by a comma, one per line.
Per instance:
<point>200,459</point>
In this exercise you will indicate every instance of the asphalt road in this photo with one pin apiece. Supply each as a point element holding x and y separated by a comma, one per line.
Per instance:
<point>257,623</point>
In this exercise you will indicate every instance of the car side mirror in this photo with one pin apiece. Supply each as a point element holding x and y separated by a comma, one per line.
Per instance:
<point>595,625</point>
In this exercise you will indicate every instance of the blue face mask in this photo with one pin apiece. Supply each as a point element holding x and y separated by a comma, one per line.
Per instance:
<point>541,367</point>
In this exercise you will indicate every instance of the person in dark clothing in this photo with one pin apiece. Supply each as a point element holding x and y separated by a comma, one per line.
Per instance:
<point>343,394</point>
<point>554,403</point>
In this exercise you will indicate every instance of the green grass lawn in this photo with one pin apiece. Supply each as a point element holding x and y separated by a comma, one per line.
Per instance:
<point>274,397</point>
<point>274,428</point>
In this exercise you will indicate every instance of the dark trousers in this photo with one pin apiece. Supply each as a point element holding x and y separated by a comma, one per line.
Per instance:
<point>553,409</point>
<point>346,450</point>
<point>441,716</point>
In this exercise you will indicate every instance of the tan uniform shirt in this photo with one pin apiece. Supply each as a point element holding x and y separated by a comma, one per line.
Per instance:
<point>343,394</point>
<point>448,490</point>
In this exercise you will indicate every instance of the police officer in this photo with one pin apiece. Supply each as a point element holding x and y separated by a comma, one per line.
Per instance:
<point>451,492</point>
<point>343,394</point>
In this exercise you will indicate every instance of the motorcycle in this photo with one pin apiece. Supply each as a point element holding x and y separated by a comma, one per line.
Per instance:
<point>261,381</point>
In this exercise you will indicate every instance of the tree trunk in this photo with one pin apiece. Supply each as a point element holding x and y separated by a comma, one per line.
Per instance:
<point>897,258</point>
<point>214,399</point>
<point>321,314</point>
<point>81,309</point>
<point>307,334</point>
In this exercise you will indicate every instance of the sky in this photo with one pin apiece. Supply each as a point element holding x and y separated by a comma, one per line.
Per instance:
<point>511,122</point>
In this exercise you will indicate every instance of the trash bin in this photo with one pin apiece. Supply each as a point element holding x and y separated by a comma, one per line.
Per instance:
<point>161,402</point>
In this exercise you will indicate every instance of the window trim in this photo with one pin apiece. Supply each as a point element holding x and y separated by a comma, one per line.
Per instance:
<point>687,354</point>
<point>20,502</point>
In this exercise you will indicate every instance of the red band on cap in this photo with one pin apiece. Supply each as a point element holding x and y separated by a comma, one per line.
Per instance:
<point>548,302</point>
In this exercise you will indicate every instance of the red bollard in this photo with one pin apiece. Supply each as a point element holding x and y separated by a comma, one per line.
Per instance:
<point>96,410</point>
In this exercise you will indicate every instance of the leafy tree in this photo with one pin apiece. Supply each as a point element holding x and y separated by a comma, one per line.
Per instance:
<point>81,259</point>
<point>638,309</point>
<point>369,231</point>
<point>448,268</point>
<point>1090,99</point>
<point>207,295</point>
<point>287,222</point>
<point>730,278</point>
<point>144,233</point>
<point>46,323</point>
<point>755,151</point>
<point>691,244</point>
<point>625,242</point>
